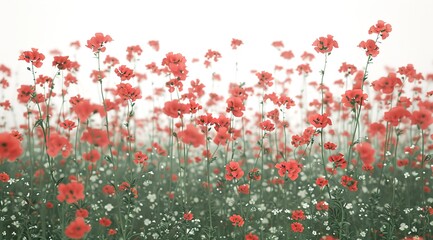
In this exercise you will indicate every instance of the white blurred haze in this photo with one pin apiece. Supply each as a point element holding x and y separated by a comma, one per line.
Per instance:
<point>193,27</point>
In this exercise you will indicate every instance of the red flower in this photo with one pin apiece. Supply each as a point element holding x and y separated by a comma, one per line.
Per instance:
<point>68,124</point>
<point>25,92</point>
<point>71,192</point>
<point>213,54</point>
<point>188,216</point>
<point>307,56</point>
<point>387,84</point>
<point>338,160</point>
<point>298,215</point>
<point>175,109</point>
<point>97,43</point>
<point>112,232</point>
<point>191,135</point>
<point>251,236</point>
<point>410,72</point>
<point>96,137</point>
<point>322,206</point>
<point>304,69</point>
<point>321,182</point>
<point>353,98</point>
<point>233,171</point>
<point>292,168</point>
<point>422,118</point>
<point>127,92</point>
<point>4,177</point>
<point>267,126</point>
<point>348,69</point>
<point>83,213</point>
<point>395,115</point>
<point>33,57</point>
<point>350,183</point>
<point>133,50</point>
<point>236,43</point>
<point>140,158</point>
<point>235,106</point>
<point>236,220</point>
<point>222,136</point>
<point>108,190</point>
<point>154,44</point>
<point>77,229</point>
<point>62,62</point>
<point>265,79</point>
<point>381,28</point>
<point>254,174</point>
<point>93,156</point>
<point>244,189</point>
<point>287,55</point>
<point>325,45</point>
<point>124,73</point>
<point>370,47</point>
<point>105,222</point>
<point>176,65</point>
<point>10,147</point>
<point>376,128</point>
<point>57,143</point>
<point>330,146</point>
<point>366,153</point>
<point>319,121</point>
<point>297,227</point>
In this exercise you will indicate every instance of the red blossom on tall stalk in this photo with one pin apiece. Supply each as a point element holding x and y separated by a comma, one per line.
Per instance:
<point>77,229</point>
<point>128,93</point>
<point>381,28</point>
<point>325,44</point>
<point>319,121</point>
<point>370,47</point>
<point>133,51</point>
<point>265,79</point>
<point>292,168</point>
<point>71,192</point>
<point>124,73</point>
<point>235,106</point>
<point>353,98</point>
<point>236,220</point>
<point>192,135</point>
<point>58,144</point>
<point>387,84</point>
<point>33,56</point>
<point>62,62</point>
<point>236,43</point>
<point>233,171</point>
<point>97,43</point>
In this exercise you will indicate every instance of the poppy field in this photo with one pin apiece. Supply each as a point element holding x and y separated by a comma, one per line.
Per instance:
<point>158,154</point>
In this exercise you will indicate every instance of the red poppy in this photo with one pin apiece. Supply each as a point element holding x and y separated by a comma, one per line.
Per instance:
<point>265,79</point>
<point>77,229</point>
<point>95,137</point>
<point>387,84</point>
<point>338,160</point>
<point>57,143</point>
<point>304,69</point>
<point>124,73</point>
<point>212,54</point>
<point>325,45</point>
<point>236,43</point>
<point>322,206</point>
<point>287,55</point>
<point>81,212</point>
<point>298,215</point>
<point>140,158</point>
<point>71,192</point>
<point>321,182</point>
<point>297,227</point>
<point>395,115</point>
<point>97,43</point>
<point>307,56</point>
<point>175,109</point>
<point>154,44</point>
<point>176,64</point>
<point>381,28</point>
<point>4,177</point>
<point>133,51</point>
<point>236,220</point>
<point>188,216</point>
<point>192,135</point>
<point>330,146</point>
<point>68,125</point>
<point>366,153</point>
<point>251,236</point>
<point>319,121</point>
<point>105,222</point>
<point>292,168</point>
<point>25,92</point>
<point>10,147</point>
<point>350,183</point>
<point>235,106</point>
<point>370,47</point>
<point>108,190</point>
<point>410,72</point>
<point>93,156</point>
<point>62,62</point>
<point>267,126</point>
<point>233,171</point>
<point>126,92</point>
<point>33,57</point>
<point>244,189</point>
<point>422,117</point>
<point>354,98</point>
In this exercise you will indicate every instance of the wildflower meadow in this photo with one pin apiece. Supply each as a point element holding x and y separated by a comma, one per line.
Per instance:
<point>158,154</point>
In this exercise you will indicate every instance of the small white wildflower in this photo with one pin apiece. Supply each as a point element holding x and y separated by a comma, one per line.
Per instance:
<point>109,207</point>
<point>414,229</point>
<point>403,227</point>
<point>151,197</point>
<point>363,234</point>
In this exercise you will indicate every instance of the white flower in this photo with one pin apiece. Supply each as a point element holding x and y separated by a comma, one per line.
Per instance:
<point>403,226</point>
<point>109,207</point>
<point>151,197</point>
